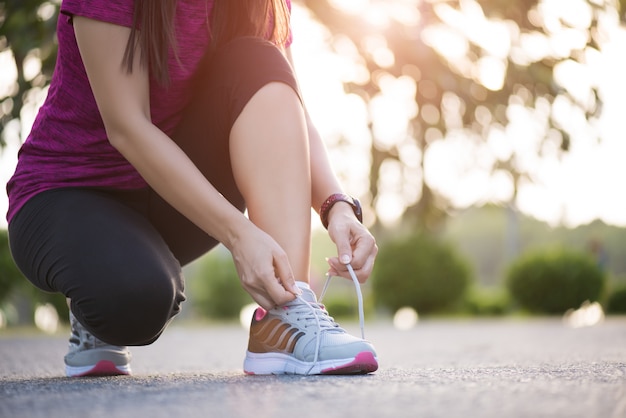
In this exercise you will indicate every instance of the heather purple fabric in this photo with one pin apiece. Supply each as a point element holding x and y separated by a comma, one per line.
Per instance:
<point>68,146</point>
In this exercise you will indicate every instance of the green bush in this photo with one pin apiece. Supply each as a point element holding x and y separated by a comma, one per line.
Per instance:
<point>487,302</point>
<point>215,289</point>
<point>554,281</point>
<point>10,276</point>
<point>616,303</point>
<point>420,272</point>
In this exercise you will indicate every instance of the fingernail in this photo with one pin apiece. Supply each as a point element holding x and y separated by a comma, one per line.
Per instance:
<point>345,259</point>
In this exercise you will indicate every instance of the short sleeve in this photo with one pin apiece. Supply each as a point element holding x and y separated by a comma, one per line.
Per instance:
<point>118,12</point>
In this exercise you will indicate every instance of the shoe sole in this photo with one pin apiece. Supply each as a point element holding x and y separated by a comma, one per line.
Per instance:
<point>101,368</point>
<point>278,363</point>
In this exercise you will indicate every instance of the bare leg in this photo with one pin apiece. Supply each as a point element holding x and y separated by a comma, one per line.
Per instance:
<point>271,164</point>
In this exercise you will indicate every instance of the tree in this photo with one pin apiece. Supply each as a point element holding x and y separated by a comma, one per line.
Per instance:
<point>27,32</point>
<point>464,87</point>
<point>471,67</point>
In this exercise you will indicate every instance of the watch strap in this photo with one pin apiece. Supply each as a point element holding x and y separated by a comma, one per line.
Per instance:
<point>340,197</point>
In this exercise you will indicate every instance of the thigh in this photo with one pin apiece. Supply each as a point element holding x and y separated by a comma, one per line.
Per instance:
<point>103,255</point>
<point>226,82</point>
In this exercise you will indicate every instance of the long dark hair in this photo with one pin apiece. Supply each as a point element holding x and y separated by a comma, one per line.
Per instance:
<point>153,29</point>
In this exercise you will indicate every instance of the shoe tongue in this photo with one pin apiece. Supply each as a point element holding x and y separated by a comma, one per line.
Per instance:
<point>308,295</point>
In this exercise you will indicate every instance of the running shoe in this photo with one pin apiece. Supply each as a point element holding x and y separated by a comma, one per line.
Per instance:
<point>302,338</point>
<point>89,356</point>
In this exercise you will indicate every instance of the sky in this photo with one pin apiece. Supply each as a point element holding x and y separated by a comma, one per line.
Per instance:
<point>583,185</point>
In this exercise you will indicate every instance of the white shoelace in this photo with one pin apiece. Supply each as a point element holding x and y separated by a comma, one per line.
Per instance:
<point>326,319</point>
<point>357,287</point>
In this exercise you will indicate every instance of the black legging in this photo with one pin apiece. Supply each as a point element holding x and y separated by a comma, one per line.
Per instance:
<point>118,254</point>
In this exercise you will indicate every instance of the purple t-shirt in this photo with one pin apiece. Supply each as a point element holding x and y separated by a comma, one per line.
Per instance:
<point>68,145</point>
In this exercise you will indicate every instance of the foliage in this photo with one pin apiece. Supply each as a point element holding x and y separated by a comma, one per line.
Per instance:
<point>452,96</point>
<point>216,291</point>
<point>554,281</point>
<point>491,239</point>
<point>449,95</point>
<point>484,302</point>
<point>616,303</point>
<point>420,272</point>
<point>27,29</point>
<point>10,276</point>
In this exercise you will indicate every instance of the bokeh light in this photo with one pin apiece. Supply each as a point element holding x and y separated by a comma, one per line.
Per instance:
<point>405,318</point>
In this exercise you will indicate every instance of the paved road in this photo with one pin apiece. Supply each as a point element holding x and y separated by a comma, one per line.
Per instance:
<point>441,368</point>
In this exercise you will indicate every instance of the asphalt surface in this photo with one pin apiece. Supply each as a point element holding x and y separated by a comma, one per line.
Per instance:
<point>440,368</point>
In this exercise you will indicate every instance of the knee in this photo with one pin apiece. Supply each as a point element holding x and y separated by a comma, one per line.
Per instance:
<point>135,313</point>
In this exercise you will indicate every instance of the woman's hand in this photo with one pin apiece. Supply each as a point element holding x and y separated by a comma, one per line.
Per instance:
<point>355,244</point>
<point>263,268</point>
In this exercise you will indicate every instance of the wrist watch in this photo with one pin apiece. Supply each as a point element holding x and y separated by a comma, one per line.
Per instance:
<point>340,197</point>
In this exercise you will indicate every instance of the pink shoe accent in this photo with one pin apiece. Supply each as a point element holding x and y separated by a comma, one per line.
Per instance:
<point>103,368</point>
<point>259,314</point>
<point>363,363</point>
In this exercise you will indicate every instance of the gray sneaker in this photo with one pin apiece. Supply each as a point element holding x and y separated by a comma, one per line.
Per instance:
<point>89,356</point>
<point>301,338</point>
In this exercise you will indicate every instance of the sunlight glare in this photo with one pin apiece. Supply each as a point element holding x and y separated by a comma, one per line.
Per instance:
<point>245,315</point>
<point>390,203</point>
<point>377,47</point>
<point>576,79</point>
<point>449,43</point>
<point>8,75</point>
<point>46,11</point>
<point>459,168</point>
<point>568,40</point>
<point>588,315</point>
<point>490,72</point>
<point>389,208</point>
<point>32,65</point>
<point>533,48</point>
<point>392,109</point>
<point>573,13</point>
<point>47,318</point>
<point>405,318</point>
<point>350,6</point>
<point>499,144</point>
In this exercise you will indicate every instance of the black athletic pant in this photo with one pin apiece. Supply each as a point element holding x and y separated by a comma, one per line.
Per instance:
<point>118,254</point>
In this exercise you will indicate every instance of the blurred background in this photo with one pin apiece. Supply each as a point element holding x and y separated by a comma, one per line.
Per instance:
<point>485,140</point>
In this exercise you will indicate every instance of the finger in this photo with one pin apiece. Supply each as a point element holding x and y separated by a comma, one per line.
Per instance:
<point>337,266</point>
<point>278,295</point>
<point>261,298</point>
<point>264,302</point>
<point>344,249</point>
<point>285,275</point>
<point>364,248</point>
<point>364,272</point>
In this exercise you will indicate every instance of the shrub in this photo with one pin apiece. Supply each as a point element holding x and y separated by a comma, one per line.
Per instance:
<point>216,291</point>
<point>10,276</point>
<point>554,281</point>
<point>487,302</point>
<point>616,303</point>
<point>420,272</point>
